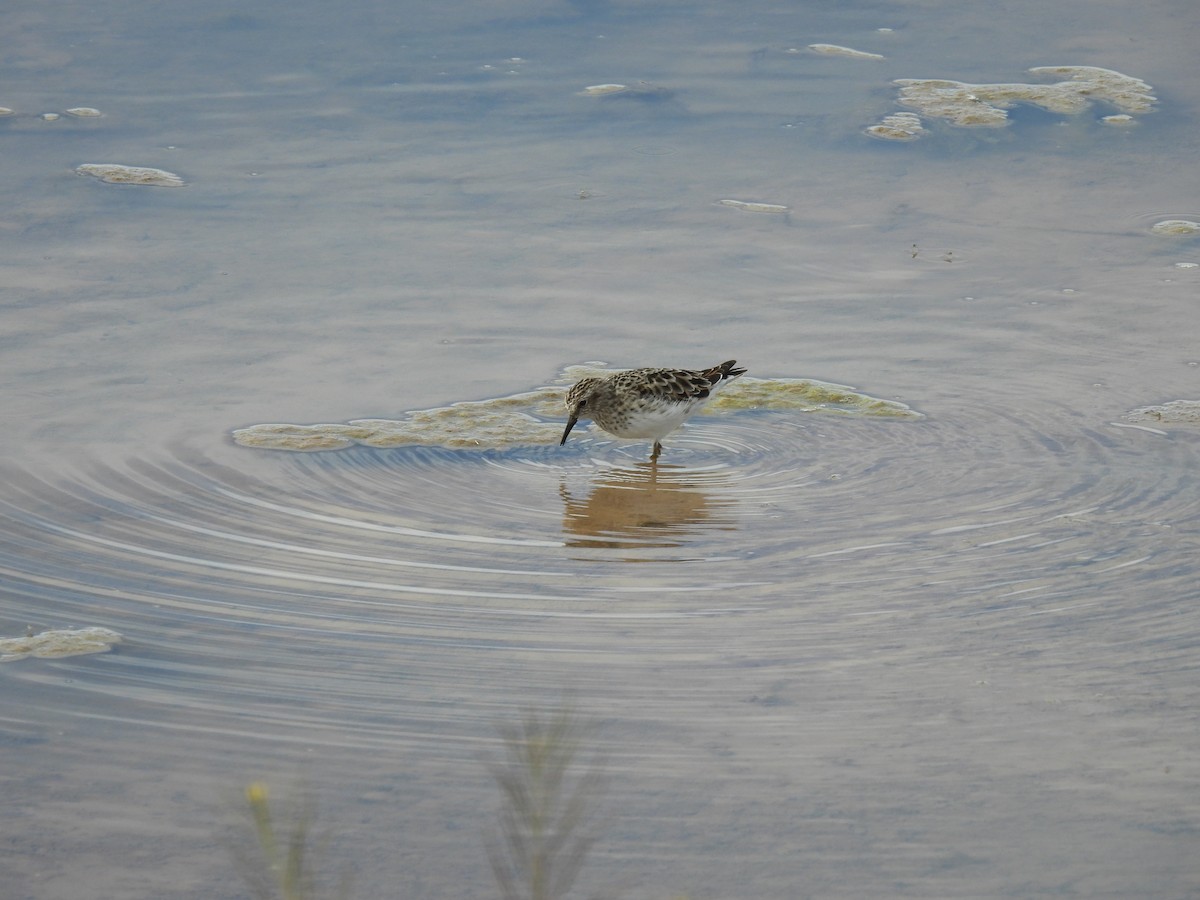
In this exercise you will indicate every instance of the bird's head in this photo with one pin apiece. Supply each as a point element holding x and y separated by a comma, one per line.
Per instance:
<point>578,398</point>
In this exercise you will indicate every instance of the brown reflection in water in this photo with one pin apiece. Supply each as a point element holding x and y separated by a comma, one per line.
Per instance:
<point>647,505</point>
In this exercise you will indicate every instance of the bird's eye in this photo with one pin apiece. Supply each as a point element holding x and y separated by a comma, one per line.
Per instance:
<point>583,403</point>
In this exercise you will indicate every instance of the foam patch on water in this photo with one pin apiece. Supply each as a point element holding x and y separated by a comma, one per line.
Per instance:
<point>536,417</point>
<point>112,173</point>
<point>986,105</point>
<point>59,643</point>
<point>1177,412</point>
<point>1176,227</point>
<point>901,126</point>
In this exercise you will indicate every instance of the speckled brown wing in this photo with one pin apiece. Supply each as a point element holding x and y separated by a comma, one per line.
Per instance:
<point>682,385</point>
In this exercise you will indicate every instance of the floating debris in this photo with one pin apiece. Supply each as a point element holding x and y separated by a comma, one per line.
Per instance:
<point>535,417</point>
<point>1176,412</point>
<point>986,105</point>
<point>643,91</point>
<point>58,643</point>
<point>116,174</point>
<point>1176,227</point>
<point>750,206</point>
<point>1118,120</point>
<point>597,90</point>
<point>901,126</point>
<point>848,52</point>
<point>82,112</point>
<point>1145,428</point>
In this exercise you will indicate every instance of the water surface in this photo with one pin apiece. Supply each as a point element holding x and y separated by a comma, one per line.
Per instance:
<point>829,656</point>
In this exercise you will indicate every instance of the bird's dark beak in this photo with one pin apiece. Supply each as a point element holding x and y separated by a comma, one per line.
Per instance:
<point>570,425</point>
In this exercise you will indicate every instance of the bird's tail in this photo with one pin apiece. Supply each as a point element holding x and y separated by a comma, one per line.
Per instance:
<point>725,370</point>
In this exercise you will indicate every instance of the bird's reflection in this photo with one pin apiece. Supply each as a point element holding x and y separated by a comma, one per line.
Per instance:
<point>645,505</point>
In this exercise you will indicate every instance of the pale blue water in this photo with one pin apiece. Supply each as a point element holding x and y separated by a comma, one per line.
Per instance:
<point>951,657</point>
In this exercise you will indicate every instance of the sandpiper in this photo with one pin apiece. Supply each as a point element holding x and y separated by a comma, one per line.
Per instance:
<point>644,403</point>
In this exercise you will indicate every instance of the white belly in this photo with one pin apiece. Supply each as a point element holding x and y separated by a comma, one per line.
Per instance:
<point>656,421</point>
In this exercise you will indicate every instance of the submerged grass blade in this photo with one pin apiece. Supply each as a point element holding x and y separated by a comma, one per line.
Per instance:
<point>545,827</point>
<point>282,871</point>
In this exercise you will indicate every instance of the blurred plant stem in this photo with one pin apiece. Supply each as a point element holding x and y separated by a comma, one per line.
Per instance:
<point>280,866</point>
<point>544,832</point>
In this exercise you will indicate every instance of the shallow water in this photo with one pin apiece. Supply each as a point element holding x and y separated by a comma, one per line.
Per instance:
<point>829,655</point>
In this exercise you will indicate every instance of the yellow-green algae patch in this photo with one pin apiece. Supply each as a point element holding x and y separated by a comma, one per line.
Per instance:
<point>300,437</point>
<point>58,643</point>
<point>805,395</point>
<point>112,173</point>
<point>986,105</point>
<point>521,419</point>
<point>471,424</point>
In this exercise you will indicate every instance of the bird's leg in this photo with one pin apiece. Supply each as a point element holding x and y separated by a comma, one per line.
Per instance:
<point>657,450</point>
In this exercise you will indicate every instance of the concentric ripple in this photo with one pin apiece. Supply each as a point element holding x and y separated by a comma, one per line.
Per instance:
<point>335,579</point>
